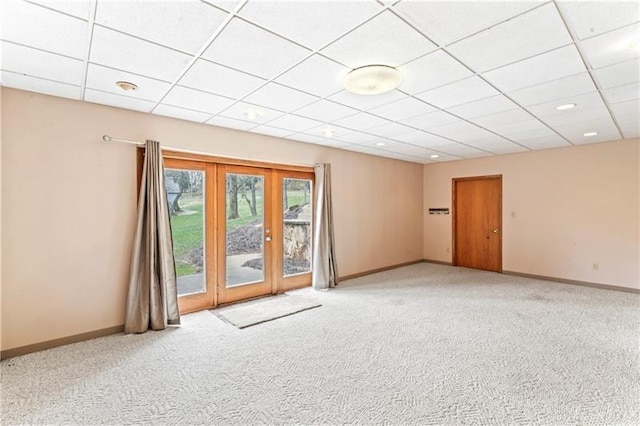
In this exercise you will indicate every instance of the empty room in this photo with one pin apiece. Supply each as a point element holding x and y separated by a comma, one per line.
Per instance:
<point>319,212</point>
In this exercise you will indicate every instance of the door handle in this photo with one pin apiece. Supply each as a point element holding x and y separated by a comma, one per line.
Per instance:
<point>495,231</point>
<point>267,239</point>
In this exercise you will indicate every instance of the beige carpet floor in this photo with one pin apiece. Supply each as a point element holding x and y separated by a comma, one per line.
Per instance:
<point>424,344</point>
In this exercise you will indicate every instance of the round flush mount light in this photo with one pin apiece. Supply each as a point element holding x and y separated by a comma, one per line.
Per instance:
<point>126,86</point>
<point>565,106</point>
<point>434,156</point>
<point>328,133</point>
<point>372,80</point>
<point>590,134</point>
<point>381,143</point>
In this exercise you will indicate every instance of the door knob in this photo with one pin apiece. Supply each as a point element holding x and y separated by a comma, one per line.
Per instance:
<point>267,238</point>
<point>495,231</point>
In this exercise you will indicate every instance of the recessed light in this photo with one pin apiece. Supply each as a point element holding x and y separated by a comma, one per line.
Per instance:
<point>328,133</point>
<point>381,143</point>
<point>126,86</point>
<point>565,106</point>
<point>434,156</point>
<point>252,114</point>
<point>372,80</point>
<point>590,134</point>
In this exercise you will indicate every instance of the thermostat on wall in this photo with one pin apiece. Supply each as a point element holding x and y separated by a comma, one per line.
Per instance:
<point>439,211</point>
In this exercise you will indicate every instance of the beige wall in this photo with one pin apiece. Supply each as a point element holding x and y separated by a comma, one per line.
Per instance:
<point>563,211</point>
<point>69,207</point>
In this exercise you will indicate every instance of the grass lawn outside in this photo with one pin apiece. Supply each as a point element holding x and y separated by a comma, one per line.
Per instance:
<point>187,228</point>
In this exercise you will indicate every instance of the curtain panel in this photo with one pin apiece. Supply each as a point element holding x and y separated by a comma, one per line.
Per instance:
<point>325,270</point>
<point>152,302</point>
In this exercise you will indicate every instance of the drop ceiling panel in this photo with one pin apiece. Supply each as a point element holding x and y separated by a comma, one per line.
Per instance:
<point>430,120</point>
<point>486,106</point>
<point>317,75</point>
<point>360,121</point>
<point>248,48</point>
<point>355,137</point>
<point>231,123</point>
<point>430,71</point>
<point>221,80</point>
<point>575,131</point>
<point>79,9</point>
<point>619,74</point>
<point>456,130</point>
<point>139,57</point>
<point>624,93</point>
<point>104,79</point>
<point>280,97</point>
<point>502,118</point>
<point>467,90</point>
<point>557,89</point>
<point>36,26</point>
<point>271,131</point>
<point>39,85</point>
<point>611,48</point>
<point>303,137</point>
<point>294,123</point>
<point>118,101</point>
<point>181,113</point>
<point>298,21</point>
<point>37,63</point>
<point>404,108</point>
<point>529,34</point>
<point>546,142</point>
<point>446,22</point>
<point>324,110</point>
<point>592,18</point>
<point>390,130</point>
<point>631,129</point>
<point>464,151</point>
<point>579,118</point>
<point>423,139</point>
<point>627,112</point>
<point>186,98</point>
<point>240,110</point>
<point>523,130</point>
<point>394,46</point>
<point>336,132</point>
<point>365,102</point>
<point>543,68</point>
<point>164,22</point>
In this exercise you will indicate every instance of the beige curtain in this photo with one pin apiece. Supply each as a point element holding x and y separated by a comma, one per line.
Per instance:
<point>152,302</point>
<point>325,271</point>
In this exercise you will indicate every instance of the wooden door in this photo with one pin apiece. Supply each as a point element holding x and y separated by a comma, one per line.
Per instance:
<point>477,222</point>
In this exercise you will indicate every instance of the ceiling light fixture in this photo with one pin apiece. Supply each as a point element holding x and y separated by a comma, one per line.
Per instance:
<point>590,134</point>
<point>252,114</point>
<point>372,80</point>
<point>328,133</point>
<point>381,143</point>
<point>565,106</point>
<point>434,156</point>
<point>126,86</point>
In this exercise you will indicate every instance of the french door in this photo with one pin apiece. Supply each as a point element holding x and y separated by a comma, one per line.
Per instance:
<point>238,231</point>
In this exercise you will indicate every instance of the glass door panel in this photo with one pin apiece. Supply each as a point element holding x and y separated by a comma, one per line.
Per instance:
<point>185,194</point>
<point>245,229</point>
<point>296,224</point>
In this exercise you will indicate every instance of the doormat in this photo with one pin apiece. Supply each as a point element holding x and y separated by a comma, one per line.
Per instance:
<point>258,311</point>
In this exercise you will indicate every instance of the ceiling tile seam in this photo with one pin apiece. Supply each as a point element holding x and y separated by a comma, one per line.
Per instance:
<point>200,51</point>
<point>136,74</point>
<point>89,41</point>
<point>607,31</point>
<point>61,12</point>
<point>589,68</point>
<point>217,7</point>
<point>39,78</point>
<point>416,27</point>
<point>40,49</point>
<point>146,40</point>
<point>445,50</point>
<point>506,96</point>
<point>185,109</point>
<point>527,58</point>
<point>231,68</point>
<point>121,96</point>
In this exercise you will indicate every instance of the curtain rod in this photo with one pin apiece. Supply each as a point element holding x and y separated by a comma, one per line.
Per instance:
<point>108,138</point>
